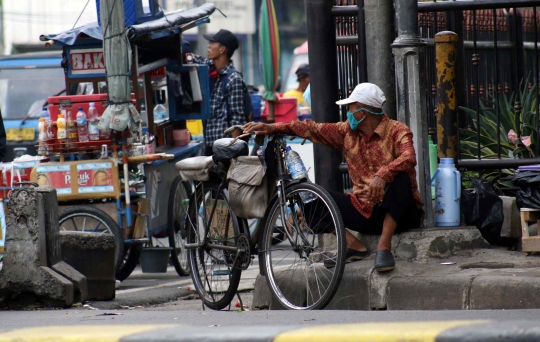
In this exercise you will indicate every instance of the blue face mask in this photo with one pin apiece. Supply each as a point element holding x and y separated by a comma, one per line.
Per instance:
<point>352,120</point>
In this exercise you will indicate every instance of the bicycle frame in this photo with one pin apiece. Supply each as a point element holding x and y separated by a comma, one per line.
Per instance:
<point>282,179</point>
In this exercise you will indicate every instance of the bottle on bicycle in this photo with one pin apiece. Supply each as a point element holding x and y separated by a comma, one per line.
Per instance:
<point>297,170</point>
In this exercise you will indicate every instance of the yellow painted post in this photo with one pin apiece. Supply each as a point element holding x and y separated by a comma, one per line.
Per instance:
<point>446,100</point>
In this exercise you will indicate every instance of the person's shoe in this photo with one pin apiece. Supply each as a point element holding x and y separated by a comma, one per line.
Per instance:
<point>384,261</point>
<point>350,256</point>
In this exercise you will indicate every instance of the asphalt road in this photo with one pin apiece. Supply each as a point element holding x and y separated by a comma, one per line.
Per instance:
<point>173,314</point>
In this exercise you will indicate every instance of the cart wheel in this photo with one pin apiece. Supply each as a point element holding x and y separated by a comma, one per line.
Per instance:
<point>130,261</point>
<point>178,208</point>
<point>93,220</point>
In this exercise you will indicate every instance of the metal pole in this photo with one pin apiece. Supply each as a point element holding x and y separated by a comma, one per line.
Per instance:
<point>446,105</point>
<point>324,86</point>
<point>409,54</point>
<point>2,51</point>
<point>379,30</point>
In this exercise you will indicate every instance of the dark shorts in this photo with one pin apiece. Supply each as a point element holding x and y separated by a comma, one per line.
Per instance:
<point>398,201</point>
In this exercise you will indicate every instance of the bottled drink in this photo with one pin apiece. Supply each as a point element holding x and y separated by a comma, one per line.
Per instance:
<point>82,126</point>
<point>43,137</point>
<point>93,119</point>
<point>61,135</point>
<point>44,113</point>
<point>298,171</point>
<point>71,130</point>
<point>160,112</point>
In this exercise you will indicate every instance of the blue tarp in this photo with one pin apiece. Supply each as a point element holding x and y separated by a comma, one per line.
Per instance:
<point>69,37</point>
<point>169,21</point>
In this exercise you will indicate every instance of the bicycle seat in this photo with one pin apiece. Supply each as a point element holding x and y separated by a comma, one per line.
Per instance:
<point>224,150</point>
<point>195,169</point>
<point>195,164</point>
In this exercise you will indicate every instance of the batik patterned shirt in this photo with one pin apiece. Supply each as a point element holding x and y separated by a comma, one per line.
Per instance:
<point>387,152</point>
<point>220,119</point>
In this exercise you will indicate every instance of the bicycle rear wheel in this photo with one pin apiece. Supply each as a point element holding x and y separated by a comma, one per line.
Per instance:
<point>211,269</point>
<point>177,213</point>
<point>295,270</point>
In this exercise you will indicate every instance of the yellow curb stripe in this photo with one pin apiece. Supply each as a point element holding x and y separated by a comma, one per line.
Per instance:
<point>79,333</point>
<point>373,332</point>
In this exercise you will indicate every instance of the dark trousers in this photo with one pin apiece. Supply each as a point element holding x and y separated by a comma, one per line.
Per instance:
<point>398,201</point>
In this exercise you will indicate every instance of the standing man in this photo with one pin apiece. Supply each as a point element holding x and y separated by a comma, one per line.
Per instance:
<point>226,108</point>
<point>303,82</point>
<point>381,159</point>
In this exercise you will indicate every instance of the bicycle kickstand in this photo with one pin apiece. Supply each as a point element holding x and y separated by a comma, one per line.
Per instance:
<point>240,300</point>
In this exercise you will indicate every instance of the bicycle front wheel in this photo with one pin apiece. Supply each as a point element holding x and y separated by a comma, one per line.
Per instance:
<point>303,273</point>
<point>214,278</point>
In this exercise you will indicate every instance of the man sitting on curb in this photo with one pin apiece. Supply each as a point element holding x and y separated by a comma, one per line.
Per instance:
<point>381,159</point>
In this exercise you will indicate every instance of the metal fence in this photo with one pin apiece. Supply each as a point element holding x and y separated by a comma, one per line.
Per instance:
<point>498,73</point>
<point>497,78</point>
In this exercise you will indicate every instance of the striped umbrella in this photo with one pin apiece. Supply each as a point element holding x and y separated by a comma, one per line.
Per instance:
<point>270,52</point>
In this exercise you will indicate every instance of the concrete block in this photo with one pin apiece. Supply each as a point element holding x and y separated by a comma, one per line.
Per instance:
<point>428,293</point>
<point>33,249</point>
<point>94,256</point>
<point>505,292</point>
<point>418,244</point>
<point>512,223</point>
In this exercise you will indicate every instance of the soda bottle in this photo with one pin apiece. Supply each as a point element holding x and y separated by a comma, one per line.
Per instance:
<point>61,134</point>
<point>82,125</point>
<point>93,119</point>
<point>71,130</point>
<point>298,171</point>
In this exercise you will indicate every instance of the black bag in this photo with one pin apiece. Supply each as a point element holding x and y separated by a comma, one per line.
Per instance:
<point>528,195</point>
<point>482,207</point>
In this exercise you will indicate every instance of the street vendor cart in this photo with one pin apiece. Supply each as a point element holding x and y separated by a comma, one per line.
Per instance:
<point>125,182</point>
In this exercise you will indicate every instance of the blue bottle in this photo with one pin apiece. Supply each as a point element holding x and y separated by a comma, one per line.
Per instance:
<point>447,183</point>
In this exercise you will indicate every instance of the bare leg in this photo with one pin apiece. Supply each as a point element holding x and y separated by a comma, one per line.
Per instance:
<point>353,242</point>
<point>389,226</point>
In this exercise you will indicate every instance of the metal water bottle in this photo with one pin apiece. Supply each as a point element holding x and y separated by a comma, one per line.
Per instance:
<point>447,183</point>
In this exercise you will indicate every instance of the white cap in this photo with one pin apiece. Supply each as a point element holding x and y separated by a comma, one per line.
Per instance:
<point>366,93</point>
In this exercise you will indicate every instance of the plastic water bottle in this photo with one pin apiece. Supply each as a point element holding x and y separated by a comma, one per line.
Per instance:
<point>298,171</point>
<point>160,112</point>
<point>447,182</point>
<point>82,125</point>
<point>93,119</point>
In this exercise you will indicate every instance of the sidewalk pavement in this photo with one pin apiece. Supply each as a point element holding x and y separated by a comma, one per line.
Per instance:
<point>437,331</point>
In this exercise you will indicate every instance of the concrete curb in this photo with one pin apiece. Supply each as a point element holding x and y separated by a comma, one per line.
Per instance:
<point>477,279</point>
<point>438,331</point>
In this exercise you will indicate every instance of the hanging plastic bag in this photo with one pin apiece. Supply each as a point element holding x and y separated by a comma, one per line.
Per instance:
<point>482,207</point>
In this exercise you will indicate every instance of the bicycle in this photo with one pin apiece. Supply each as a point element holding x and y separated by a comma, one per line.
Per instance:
<point>220,246</point>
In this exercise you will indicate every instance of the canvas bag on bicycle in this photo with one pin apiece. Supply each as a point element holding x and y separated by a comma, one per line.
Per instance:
<point>248,193</point>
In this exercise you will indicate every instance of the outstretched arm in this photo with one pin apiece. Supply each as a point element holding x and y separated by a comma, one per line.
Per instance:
<point>330,134</point>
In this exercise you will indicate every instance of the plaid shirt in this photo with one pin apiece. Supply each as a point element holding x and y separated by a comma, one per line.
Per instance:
<point>221,120</point>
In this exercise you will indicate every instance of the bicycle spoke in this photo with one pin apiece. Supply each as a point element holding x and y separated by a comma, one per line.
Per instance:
<point>304,282</point>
